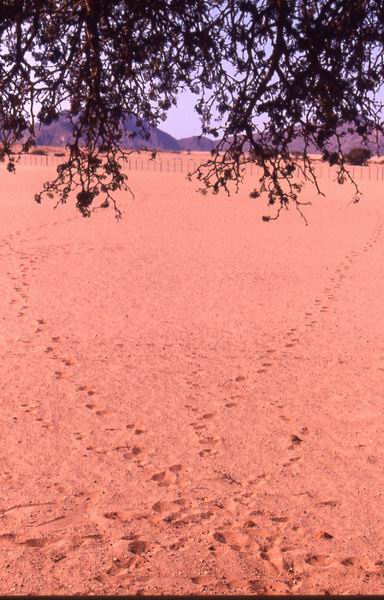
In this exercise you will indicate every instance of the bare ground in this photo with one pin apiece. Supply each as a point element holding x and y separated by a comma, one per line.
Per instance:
<point>191,400</point>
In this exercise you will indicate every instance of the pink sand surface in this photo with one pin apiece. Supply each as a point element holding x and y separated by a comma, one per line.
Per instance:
<point>191,399</point>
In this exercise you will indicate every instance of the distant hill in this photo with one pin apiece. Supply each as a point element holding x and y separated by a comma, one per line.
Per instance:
<point>348,141</point>
<point>159,139</point>
<point>59,133</point>
<point>196,143</point>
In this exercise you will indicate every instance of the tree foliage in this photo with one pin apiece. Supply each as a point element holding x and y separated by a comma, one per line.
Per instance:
<point>300,67</point>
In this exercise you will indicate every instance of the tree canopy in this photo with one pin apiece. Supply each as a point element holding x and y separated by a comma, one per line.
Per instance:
<point>264,71</point>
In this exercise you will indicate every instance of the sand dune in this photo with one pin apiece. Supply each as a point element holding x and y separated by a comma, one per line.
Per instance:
<point>191,399</point>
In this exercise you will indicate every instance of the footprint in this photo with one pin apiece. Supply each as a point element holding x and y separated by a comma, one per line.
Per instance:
<point>235,539</point>
<point>121,566</point>
<point>35,542</point>
<point>162,507</point>
<point>175,468</point>
<point>165,478</point>
<point>116,515</point>
<point>205,452</point>
<point>132,453</point>
<point>138,547</point>
<point>209,441</point>
<point>317,560</point>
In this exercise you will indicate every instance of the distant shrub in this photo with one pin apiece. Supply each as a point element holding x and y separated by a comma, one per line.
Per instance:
<point>39,152</point>
<point>358,156</point>
<point>267,152</point>
<point>297,154</point>
<point>59,153</point>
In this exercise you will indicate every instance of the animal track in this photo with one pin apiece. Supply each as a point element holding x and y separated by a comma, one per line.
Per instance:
<point>168,476</point>
<point>204,428</point>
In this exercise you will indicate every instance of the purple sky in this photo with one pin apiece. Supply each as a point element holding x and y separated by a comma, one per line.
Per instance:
<point>182,121</point>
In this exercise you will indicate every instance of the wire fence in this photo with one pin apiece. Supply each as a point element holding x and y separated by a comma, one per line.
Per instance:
<point>372,172</point>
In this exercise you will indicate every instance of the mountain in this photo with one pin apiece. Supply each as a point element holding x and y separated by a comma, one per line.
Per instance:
<point>59,133</point>
<point>196,143</point>
<point>159,139</point>
<point>348,141</point>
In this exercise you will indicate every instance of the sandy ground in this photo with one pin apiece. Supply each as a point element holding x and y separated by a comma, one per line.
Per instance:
<point>191,399</point>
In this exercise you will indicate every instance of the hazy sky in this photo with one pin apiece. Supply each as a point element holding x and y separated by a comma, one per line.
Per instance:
<point>182,121</point>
